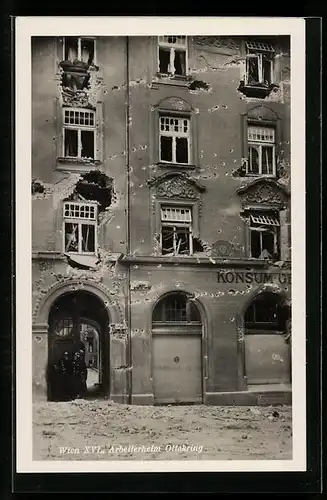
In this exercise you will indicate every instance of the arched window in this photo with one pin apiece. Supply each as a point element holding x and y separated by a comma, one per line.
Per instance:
<point>176,307</point>
<point>266,312</point>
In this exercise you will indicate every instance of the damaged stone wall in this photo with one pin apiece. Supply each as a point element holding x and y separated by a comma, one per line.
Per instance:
<point>54,181</point>
<point>211,88</point>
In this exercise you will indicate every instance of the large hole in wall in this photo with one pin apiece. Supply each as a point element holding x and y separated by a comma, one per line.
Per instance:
<point>95,186</point>
<point>80,232</point>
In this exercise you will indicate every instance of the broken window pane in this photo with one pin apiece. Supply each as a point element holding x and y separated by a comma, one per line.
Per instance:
<point>164,60</point>
<point>167,238</point>
<point>266,69</point>
<point>87,138</point>
<point>88,238</point>
<point>253,69</point>
<point>71,237</point>
<point>183,240</point>
<point>268,243</point>
<point>180,62</point>
<point>267,160</point>
<point>197,245</point>
<point>87,50</point>
<point>71,48</point>
<point>253,160</point>
<point>71,142</point>
<point>255,244</point>
<point>181,150</point>
<point>166,148</point>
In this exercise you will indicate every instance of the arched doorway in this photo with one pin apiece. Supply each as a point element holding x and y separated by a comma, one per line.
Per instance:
<point>177,350</point>
<point>267,341</point>
<point>78,321</point>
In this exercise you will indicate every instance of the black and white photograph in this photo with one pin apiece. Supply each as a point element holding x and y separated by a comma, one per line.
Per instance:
<point>160,214</point>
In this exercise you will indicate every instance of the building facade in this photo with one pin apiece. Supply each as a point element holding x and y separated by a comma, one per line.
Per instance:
<point>161,216</point>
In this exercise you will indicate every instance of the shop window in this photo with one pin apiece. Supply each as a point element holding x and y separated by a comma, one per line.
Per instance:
<point>172,55</point>
<point>80,224</point>
<point>176,230</point>
<point>79,133</point>
<point>261,151</point>
<point>265,235</point>
<point>174,139</point>
<point>82,49</point>
<point>264,313</point>
<point>177,307</point>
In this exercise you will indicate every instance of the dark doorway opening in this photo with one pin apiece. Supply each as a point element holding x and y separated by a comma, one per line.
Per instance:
<point>78,358</point>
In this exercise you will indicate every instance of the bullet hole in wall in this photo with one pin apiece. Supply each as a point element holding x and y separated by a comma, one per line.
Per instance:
<point>37,187</point>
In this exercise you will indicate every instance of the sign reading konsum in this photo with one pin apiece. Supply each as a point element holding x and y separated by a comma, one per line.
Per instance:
<point>259,277</point>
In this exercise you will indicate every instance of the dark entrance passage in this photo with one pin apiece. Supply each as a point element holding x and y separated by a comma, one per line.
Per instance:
<point>78,359</point>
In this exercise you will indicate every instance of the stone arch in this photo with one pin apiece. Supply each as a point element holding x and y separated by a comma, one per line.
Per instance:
<point>191,295</point>
<point>240,323</point>
<point>43,306</point>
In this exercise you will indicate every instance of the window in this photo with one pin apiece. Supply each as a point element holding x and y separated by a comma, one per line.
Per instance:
<point>82,49</point>
<point>261,151</point>
<point>78,133</point>
<point>64,327</point>
<point>176,230</point>
<point>177,307</point>
<point>174,136</point>
<point>259,63</point>
<point>265,312</point>
<point>80,223</point>
<point>264,235</point>
<point>172,55</point>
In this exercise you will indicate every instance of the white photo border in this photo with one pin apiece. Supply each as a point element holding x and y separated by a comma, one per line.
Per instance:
<point>27,27</point>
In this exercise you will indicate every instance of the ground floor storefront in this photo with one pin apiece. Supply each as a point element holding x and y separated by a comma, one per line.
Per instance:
<point>168,334</point>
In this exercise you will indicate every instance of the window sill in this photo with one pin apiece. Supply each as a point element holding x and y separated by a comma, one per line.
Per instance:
<point>164,164</point>
<point>260,91</point>
<point>177,80</point>
<point>260,176</point>
<point>76,164</point>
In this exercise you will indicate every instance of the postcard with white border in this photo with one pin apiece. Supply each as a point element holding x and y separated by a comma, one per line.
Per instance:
<point>160,258</point>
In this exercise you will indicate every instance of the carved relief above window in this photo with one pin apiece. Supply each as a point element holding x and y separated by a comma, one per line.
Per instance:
<point>264,192</point>
<point>177,206</point>
<point>265,212</point>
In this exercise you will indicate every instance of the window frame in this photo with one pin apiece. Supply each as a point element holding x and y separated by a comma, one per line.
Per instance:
<point>192,204</point>
<point>188,309</point>
<point>273,228</point>
<point>172,47</point>
<point>260,144</point>
<point>175,225</point>
<point>79,129</point>
<point>257,53</point>
<point>80,222</point>
<point>79,45</point>
<point>174,135</point>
